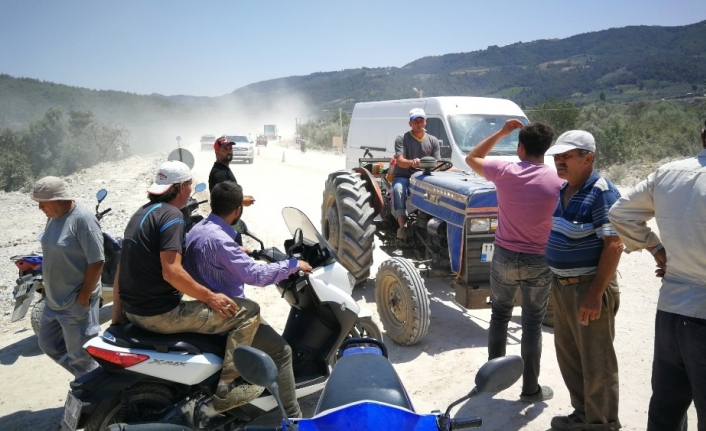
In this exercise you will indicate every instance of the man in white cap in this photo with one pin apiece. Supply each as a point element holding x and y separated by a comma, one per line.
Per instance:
<point>583,252</point>
<point>151,282</point>
<point>72,246</point>
<point>409,148</point>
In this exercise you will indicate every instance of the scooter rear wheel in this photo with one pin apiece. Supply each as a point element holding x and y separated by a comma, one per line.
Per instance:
<point>146,402</point>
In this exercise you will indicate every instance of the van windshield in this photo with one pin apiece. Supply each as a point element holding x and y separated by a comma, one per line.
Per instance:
<point>469,130</point>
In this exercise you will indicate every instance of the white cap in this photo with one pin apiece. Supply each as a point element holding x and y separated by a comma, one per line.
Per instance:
<point>170,173</point>
<point>572,140</point>
<point>417,113</point>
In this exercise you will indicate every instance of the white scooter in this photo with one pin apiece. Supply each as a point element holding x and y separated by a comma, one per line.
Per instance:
<point>150,377</point>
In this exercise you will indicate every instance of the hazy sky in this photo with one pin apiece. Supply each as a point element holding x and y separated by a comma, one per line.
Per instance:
<point>212,47</point>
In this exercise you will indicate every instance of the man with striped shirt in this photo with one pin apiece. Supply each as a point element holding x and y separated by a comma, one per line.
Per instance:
<point>583,252</point>
<point>214,259</point>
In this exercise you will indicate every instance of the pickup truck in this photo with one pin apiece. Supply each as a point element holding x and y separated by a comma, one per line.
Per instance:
<point>261,140</point>
<point>207,142</point>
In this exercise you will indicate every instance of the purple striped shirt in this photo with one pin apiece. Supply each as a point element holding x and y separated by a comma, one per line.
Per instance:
<point>215,260</point>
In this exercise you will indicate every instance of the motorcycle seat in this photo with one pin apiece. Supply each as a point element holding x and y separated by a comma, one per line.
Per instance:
<point>363,377</point>
<point>131,336</point>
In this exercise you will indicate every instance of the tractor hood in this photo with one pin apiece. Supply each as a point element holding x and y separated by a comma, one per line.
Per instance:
<point>454,197</point>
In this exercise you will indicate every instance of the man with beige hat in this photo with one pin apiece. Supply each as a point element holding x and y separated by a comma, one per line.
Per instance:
<point>72,245</point>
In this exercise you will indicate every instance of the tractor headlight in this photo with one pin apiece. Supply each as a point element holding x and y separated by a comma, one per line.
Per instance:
<point>484,224</point>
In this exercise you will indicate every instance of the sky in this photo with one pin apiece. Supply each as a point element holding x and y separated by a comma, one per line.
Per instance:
<point>213,47</point>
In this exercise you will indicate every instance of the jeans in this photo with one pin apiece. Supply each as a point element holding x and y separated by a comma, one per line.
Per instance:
<point>678,371</point>
<point>196,316</point>
<point>511,271</point>
<point>63,333</point>
<point>270,342</point>
<point>585,354</point>
<point>400,190</point>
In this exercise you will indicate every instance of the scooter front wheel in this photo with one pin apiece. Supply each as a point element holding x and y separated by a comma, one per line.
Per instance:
<point>366,328</point>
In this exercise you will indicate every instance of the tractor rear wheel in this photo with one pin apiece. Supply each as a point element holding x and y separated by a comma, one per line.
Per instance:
<point>402,301</point>
<point>347,222</point>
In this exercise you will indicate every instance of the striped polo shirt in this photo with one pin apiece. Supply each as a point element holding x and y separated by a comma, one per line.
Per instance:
<point>576,239</point>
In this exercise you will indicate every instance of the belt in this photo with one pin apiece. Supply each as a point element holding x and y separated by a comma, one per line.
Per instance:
<point>565,281</point>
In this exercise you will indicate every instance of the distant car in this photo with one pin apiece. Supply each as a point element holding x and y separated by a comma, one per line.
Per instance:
<point>207,142</point>
<point>243,149</point>
<point>261,140</point>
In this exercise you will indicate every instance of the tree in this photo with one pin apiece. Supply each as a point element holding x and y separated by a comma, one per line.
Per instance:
<point>15,168</point>
<point>559,114</point>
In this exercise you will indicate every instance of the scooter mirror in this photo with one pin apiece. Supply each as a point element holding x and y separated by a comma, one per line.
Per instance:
<point>241,227</point>
<point>499,374</point>
<point>200,187</point>
<point>255,366</point>
<point>102,193</point>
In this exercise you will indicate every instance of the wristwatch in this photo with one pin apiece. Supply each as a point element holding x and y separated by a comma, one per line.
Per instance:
<point>656,248</point>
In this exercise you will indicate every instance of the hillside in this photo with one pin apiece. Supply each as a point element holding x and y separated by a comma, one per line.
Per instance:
<point>622,64</point>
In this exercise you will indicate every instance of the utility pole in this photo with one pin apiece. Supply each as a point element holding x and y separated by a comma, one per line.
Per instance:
<point>340,121</point>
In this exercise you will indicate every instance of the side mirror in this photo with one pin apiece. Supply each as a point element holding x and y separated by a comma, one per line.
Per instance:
<point>297,241</point>
<point>200,187</point>
<point>241,227</point>
<point>494,376</point>
<point>102,193</point>
<point>259,369</point>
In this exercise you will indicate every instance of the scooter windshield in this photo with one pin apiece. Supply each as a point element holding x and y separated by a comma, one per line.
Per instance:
<point>295,219</point>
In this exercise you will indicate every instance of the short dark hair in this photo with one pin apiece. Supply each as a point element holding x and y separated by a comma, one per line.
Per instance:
<point>168,196</point>
<point>226,197</point>
<point>537,138</point>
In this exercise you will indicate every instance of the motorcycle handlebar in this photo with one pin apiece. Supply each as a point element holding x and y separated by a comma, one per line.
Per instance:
<point>466,423</point>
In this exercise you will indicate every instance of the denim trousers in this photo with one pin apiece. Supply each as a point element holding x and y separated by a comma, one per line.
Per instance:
<point>511,271</point>
<point>400,190</point>
<point>196,316</point>
<point>586,355</point>
<point>63,333</point>
<point>678,371</point>
<point>270,342</point>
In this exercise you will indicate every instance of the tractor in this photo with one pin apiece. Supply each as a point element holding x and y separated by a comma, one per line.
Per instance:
<point>450,233</point>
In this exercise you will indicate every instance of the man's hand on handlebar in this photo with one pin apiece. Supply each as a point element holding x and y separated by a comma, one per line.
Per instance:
<point>304,266</point>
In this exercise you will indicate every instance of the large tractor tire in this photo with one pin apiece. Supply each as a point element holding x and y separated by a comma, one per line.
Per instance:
<point>402,301</point>
<point>347,222</point>
<point>366,328</point>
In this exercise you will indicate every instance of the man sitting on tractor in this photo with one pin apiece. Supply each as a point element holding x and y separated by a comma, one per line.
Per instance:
<point>409,148</point>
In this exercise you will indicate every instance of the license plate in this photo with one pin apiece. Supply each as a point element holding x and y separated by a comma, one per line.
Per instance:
<point>72,411</point>
<point>486,254</point>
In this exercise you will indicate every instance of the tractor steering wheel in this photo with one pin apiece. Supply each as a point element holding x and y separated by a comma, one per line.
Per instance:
<point>443,165</point>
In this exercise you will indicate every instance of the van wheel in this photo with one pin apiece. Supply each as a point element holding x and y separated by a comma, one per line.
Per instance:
<point>36,316</point>
<point>402,301</point>
<point>347,222</point>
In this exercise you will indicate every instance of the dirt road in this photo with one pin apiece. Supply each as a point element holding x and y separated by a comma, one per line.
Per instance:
<point>436,372</point>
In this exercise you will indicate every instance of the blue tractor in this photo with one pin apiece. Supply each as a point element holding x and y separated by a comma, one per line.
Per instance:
<point>450,233</point>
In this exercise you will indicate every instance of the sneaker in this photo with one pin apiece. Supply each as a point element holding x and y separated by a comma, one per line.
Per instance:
<point>544,393</point>
<point>570,422</point>
<point>235,394</point>
<point>400,232</point>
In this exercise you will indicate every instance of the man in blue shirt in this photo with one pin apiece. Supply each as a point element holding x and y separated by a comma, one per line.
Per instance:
<point>214,259</point>
<point>583,252</point>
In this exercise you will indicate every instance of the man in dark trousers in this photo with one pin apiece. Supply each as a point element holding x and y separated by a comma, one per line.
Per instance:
<point>675,196</point>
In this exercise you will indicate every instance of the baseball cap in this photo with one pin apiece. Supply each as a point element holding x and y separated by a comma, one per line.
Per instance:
<point>221,142</point>
<point>417,113</point>
<point>50,189</point>
<point>170,173</point>
<point>572,140</point>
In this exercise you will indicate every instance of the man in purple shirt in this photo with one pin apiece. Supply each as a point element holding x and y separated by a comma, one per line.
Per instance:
<point>528,191</point>
<point>214,259</point>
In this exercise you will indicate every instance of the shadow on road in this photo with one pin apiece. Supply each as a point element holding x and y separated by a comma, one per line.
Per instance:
<point>47,419</point>
<point>25,347</point>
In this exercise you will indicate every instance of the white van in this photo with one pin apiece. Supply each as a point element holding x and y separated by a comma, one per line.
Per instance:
<point>460,123</point>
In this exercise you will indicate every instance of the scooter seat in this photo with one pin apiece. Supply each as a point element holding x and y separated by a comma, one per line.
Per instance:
<point>363,377</point>
<point>131,336</point>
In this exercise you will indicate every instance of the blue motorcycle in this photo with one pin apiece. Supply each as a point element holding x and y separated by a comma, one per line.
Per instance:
<point>363,393</point>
